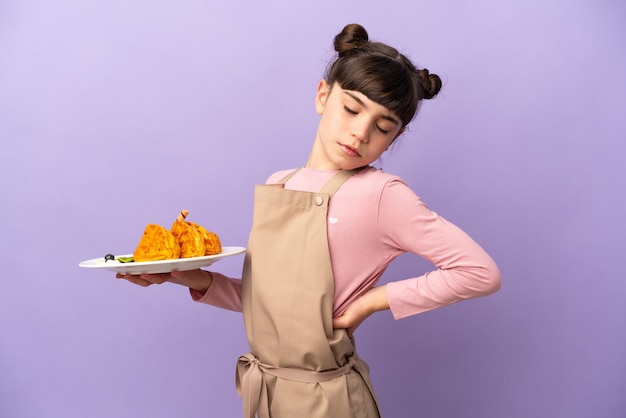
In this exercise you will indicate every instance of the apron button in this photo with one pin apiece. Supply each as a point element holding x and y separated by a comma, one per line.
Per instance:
<point>319,200</point>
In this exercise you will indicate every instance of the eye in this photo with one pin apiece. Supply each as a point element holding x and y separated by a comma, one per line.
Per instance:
<point>350,111</point>
<point>381,130</point>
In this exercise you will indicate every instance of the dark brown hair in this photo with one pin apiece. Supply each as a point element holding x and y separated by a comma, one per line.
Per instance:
<point>380,72</point>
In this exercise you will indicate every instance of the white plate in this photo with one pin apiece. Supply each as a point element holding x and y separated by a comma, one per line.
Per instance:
<point>160,266</point>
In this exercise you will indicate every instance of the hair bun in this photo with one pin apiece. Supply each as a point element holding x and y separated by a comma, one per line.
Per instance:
<point>352,36</point>
<point>430,83</point>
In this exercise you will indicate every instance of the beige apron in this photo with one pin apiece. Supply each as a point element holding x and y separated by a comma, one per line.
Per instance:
<point>299,366</point>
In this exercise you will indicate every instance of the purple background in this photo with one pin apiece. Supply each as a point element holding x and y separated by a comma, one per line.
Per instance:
<point>115,114</point>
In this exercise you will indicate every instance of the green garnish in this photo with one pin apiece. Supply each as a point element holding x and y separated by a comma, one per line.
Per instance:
<point>125,259</point>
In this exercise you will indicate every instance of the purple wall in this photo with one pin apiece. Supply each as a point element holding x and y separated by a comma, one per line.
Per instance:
<point>114,114</point>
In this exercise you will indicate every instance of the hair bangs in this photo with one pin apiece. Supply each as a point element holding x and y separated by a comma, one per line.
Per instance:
<point>388,88</point>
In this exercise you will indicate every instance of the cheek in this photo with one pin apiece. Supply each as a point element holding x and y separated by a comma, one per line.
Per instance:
<point>334,123</point>
<point>384,146</point>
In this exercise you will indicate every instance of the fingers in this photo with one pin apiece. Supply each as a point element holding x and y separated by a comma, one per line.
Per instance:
<point>199,280</point>
<point>344,322</point>
<point>347,322</point>
<point>351,318</point>
<point>340,322</point>
<point>144,280</point>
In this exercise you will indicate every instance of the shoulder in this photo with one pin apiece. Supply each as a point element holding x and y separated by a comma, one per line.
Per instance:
<point>278,175</point>
<point>382,191</point>
<point>374,174</point>
<point>375,180</point>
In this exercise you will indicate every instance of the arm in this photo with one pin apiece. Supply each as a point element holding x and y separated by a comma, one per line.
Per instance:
<point>405,224</point>
<point>204,286</point>
<point>464,269</point>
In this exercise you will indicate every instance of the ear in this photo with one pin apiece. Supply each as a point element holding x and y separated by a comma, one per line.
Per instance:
<point>323,91</point>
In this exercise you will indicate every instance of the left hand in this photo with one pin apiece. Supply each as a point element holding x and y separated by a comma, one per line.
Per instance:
<point>371,301</point>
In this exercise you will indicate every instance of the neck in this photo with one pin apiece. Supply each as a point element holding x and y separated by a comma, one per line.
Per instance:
<point>317,160</point>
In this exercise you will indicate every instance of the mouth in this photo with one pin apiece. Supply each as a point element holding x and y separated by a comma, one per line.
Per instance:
<point>349,151</point>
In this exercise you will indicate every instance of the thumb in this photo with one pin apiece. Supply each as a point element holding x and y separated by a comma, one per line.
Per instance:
<point>340,322</point>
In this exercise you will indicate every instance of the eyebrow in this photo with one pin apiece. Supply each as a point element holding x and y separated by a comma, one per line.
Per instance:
<point>362,103</point>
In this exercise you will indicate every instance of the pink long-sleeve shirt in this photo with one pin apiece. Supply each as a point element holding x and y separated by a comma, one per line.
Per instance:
<point>373,218</point>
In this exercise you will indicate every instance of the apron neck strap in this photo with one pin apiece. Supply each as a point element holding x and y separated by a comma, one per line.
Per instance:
<point>287,177</point>
<point>333,184</point>
<point>338,180</point>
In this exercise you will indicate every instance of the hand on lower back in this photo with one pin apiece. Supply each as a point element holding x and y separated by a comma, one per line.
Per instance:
<point>371,301</point>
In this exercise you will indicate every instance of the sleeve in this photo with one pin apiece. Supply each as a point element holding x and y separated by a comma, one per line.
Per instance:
<point>464,269</point>
<point>225,293</point>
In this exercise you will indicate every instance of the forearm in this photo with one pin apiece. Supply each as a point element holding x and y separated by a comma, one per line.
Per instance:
<point>222,292</point>
<point>444,287</point>
<point>376,299</point>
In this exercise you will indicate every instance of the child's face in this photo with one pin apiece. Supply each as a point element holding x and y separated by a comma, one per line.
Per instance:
<point>353,130</point>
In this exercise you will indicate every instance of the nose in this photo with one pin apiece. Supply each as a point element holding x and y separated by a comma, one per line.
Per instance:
<point>360,130</point>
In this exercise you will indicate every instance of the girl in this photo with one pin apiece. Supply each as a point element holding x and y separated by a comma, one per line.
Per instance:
<point>322,236</point>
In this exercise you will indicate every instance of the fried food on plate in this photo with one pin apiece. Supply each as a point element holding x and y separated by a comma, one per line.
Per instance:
<point>184,240</point>
<point>189,238</point>
<point>157,243</point>
<point>212,242</point>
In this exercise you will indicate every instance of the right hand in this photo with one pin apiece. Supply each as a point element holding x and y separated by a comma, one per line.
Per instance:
<point>199,280</point>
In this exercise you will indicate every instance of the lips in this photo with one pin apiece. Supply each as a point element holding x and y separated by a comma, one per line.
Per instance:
<point>349,151</point>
